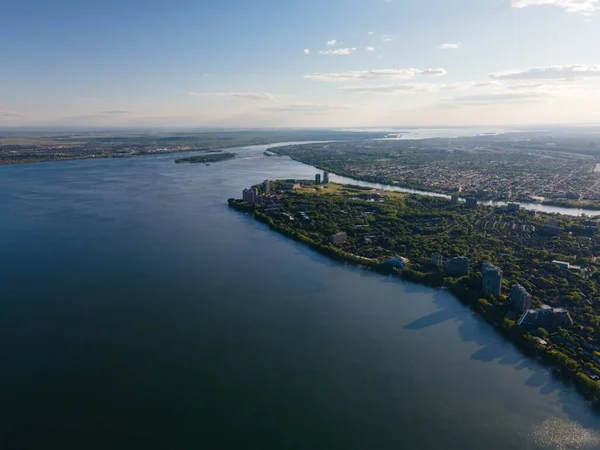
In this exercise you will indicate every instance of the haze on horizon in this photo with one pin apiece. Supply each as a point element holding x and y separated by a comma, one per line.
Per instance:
<point>349,63</point>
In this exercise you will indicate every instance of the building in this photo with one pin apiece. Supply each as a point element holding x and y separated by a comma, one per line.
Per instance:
<point>520,298</point>
<point>545,317</point>
<point>471,202</point>
<point>398,262</point>
<point>491,279</point>
<point>266,187</point>
<point>249,195</point>
<point>552,228</point>
<point>513,207</point>
<point>458,267</point>
<point>325,177</point>
<point>338,238</point>
<point>318,178</point>
<point>454,199</point>
<point>437,259</point>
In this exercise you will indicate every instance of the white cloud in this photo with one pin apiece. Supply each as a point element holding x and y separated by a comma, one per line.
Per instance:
<point>243,95</point>
<point>388,38</point>
<point>370,49</point>
<point>497,97</point>
<point>119,112</point>
<point>306,107</point>
<point>307,51</point>
<point>550,72</point>
<point>376,74</point>
<point>450,46</point>
<point>388,88</point>
<point>338,51</point>
<point>574,6</point>
<point>332,42</point>
<point>371,33</point>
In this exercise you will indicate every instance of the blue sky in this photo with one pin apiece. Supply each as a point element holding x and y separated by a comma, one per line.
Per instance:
<point>325,63</point>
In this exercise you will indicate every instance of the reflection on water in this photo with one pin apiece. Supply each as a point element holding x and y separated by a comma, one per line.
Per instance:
<point>561,434</point>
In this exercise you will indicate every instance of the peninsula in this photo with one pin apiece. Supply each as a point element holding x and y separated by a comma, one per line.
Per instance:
<point>561,169</point>
<point>533,276</point>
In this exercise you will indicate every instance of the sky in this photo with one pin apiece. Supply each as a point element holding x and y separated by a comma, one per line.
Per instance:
<point>310,63</point>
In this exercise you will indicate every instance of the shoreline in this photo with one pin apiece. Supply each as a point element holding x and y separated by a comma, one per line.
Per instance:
<point>528,345</point>
<point>567,204</point>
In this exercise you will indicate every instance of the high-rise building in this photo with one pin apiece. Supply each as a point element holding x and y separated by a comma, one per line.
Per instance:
<point>246,195</point>
<point>325,177</point>
<point>454,199</point>
<point>520,298</point>
<point>546,317</point>
<point>318,178</point>
<point>458,267</point>
<point>250,195</point>
<point>491,279</point>
<point>437,259</point>
<point>266,187</point>
<point>471,202</point>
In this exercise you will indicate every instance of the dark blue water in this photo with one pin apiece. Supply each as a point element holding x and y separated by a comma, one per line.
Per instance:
<point>138,311</point>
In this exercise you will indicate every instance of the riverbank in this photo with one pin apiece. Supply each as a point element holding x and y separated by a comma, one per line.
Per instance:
<point>550,348</point>
<point>431,169</point>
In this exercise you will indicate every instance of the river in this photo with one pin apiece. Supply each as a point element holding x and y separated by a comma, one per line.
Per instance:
<point>138,311</point>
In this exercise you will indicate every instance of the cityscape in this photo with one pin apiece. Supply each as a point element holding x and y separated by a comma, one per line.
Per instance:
<point>529,167</point>
<point>353,223</point>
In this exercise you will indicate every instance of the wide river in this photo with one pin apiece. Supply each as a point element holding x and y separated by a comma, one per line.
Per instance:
<point>138,312</point>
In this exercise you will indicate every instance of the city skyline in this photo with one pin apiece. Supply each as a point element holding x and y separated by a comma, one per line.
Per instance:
<point>267,64</point>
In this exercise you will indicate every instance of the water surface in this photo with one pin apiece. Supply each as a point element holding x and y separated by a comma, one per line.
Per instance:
<point>138,311</point>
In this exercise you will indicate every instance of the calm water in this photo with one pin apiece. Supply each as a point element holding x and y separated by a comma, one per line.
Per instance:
<point>138,312</point>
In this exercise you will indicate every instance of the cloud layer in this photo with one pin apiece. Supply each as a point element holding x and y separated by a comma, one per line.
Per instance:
<point>574,6</point>
<point>338,51</point>
<point>376,74</point>
<point>242,95</point>
<point>450,46</point>
<point>11,114</point>
<point>550,72</point>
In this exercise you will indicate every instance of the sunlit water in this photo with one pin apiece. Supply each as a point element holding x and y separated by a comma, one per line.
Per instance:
<point>138,311</point>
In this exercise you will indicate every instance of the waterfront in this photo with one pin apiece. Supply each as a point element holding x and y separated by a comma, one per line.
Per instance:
<point>139,311</point>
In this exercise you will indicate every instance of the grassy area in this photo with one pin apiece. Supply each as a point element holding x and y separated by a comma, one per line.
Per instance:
<point>336,189</point>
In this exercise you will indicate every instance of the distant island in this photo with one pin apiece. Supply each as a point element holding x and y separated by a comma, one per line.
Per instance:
<point>535,277</point>
<point>206,158</point>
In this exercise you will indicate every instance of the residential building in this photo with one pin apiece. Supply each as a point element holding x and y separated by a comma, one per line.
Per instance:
<point>552,227</point>
<point>266,187</point>
<point>491,279</point>
<point>520,298</point>
<point>338,238</point>
<point>545,317</point>
<point>249,195</point>
<point>471,202</point>
<point>318,178</point>
<point>325,177</point>
<point>458,267</point>
<point>513,207</point>
<point>437,259</point>
<point>454,199</point>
